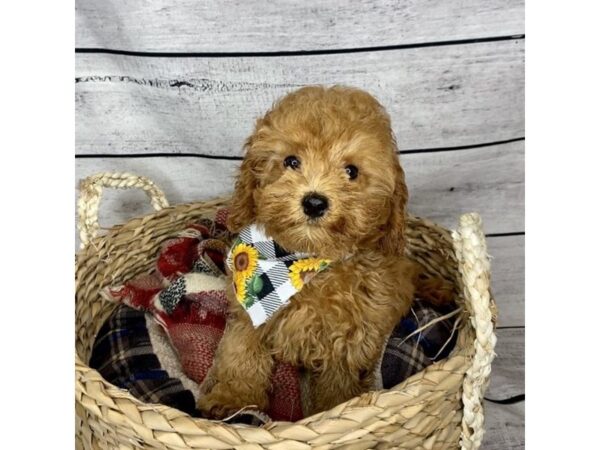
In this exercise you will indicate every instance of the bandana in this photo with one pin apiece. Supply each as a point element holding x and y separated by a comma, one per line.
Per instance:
<point>265,275</point>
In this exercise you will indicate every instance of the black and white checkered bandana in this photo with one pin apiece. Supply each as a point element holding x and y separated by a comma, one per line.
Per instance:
<point>265,276</point>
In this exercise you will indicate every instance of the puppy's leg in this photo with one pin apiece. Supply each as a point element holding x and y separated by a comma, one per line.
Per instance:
<point>334,385</point>
<point>240,375</point>
<point>432,289</point>
<point>348,376</point>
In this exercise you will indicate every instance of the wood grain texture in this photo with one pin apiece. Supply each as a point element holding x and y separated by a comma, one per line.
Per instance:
<point>442,185</point>
<point>238,25</point>
<point>505,427</point>
<point>489,180</point>
<point>437,96</point>
<point>508,369</point>
<point>508,278</point>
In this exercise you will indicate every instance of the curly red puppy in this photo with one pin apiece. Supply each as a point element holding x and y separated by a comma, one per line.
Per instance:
<point>321,175</point>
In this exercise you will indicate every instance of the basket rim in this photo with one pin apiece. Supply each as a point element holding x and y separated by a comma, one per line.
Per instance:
<point>357,402</point>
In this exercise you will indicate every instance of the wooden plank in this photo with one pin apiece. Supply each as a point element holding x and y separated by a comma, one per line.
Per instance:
<point>508,278</point>
<point>442,185</point>
<point>508,368</point>
<point>437,96</point>
<point>489,180</point>
<point>242,26</point>
<point>504,427</point>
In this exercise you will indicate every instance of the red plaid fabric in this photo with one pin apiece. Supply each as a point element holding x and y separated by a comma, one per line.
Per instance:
<point>185,295</point>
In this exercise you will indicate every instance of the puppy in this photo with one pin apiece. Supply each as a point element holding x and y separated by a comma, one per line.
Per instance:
<point>321,176</point>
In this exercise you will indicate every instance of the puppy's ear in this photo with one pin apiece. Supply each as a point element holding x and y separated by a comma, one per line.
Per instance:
<point>393,240</point>
<point>242,208</point>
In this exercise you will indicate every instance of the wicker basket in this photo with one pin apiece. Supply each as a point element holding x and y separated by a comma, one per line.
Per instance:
<point>438,408</point>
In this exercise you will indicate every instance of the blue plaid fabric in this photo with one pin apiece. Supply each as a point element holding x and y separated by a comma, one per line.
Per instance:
<point>405,355</point>
<point>124,356</point>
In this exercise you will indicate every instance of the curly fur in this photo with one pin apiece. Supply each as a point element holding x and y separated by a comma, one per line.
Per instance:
<point>337,325</point>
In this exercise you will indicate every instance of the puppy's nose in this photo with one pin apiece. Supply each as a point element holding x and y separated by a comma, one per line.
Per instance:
<point>314,205</point>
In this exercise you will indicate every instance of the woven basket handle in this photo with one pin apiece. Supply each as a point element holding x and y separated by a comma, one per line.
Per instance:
<point>90,193</point>
<point>474,267</point>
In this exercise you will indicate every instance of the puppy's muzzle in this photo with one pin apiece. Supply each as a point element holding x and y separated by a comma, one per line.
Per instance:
<point>314,205</point>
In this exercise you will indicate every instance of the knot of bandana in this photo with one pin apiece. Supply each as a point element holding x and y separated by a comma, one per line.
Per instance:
<point>265,275</point>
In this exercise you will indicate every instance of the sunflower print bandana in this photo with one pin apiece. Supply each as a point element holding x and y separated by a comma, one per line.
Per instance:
<point>265,276</point>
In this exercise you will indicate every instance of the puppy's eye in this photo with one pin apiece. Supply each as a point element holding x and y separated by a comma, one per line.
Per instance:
<point>352,171</point>
<point>292,162</point>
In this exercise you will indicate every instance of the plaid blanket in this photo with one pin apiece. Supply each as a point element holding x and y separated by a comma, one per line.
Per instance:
<point>408,351</point>
<point>124,355</point>
<point>185,295</point>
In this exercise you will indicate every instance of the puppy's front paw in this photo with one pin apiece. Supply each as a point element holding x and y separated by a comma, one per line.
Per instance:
<point>222,402</point>
<point>214,407</point>
<point>436,291</point>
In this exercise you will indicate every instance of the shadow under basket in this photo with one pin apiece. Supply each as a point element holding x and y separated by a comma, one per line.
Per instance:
<point>437,408</point>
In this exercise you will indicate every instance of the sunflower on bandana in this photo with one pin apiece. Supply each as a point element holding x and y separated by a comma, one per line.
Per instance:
<point>266,275</point>
<point>243,261</point>
<point>304,269</point>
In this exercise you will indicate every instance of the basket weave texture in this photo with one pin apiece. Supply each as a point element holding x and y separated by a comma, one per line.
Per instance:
<point>437,408</point>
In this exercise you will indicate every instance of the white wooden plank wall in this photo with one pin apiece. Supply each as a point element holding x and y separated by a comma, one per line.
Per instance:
<point>260,26</point>
<point>171,89</point>
<point>444,96</point>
